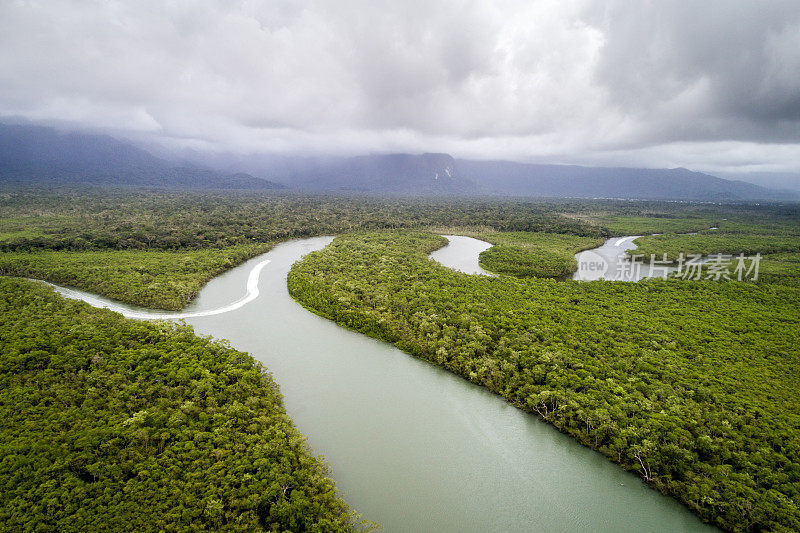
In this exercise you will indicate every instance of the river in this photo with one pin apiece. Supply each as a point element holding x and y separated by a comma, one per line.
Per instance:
<point>412,446</point>
<point>610,262</point>
<point>461,253</point>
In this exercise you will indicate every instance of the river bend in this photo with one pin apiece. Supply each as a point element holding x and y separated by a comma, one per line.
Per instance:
<point>412,446</point>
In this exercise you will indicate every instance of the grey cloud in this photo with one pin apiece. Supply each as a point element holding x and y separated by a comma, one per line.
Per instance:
<point>571,81</point>
<point>716,70</point>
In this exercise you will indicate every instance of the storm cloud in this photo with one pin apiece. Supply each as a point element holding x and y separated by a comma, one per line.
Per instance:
<point>710,85</point>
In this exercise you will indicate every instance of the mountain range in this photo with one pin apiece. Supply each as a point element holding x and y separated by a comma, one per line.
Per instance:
<point>36,155</point>
<point>441,174</point>
<point>601,182</point>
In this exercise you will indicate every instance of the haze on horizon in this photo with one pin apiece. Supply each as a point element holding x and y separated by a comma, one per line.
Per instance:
<point>712,86</point>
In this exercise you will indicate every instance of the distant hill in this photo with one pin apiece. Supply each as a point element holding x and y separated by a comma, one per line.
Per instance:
<point>394,173</point>
<point>440,174</point>
<point>35,155</point>
<point>43,156</point>
<point>520,179</point>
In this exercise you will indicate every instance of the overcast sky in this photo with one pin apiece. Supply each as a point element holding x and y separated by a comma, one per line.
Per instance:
<point>711,85</point>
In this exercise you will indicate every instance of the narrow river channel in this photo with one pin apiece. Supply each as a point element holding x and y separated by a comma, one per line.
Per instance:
<point>412,446</point>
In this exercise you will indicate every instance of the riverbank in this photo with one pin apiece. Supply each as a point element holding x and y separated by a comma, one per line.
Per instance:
<point>151,279</point>
<point>115,424</point>
<point>631,370</point>
<point>402,436</point>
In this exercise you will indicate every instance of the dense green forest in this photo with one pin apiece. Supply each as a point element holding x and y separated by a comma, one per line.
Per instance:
<point>691,384</point>
<point>199,234</point>
<point>780,254</point>
<point>107,219</point>
<point>694,385</point>
<point>80,219</point>
<point>541,255</point>
<point>157,249</point>
<point>113,424</point>
<point>161,279</point>
<point>643,218</point>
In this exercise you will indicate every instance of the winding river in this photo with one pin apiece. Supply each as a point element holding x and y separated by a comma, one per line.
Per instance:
<point>461,253</point>
<point>412,446</point>
<point>610,262</point>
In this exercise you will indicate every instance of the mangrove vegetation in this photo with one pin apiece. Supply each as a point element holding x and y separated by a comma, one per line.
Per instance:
<point>693,385</point>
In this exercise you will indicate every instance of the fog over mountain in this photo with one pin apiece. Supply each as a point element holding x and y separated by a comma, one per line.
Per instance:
<point>518,179</point>
<point>788,181</point>
<point>711,86</point>
<point>35,155</point>
<point>443,174</point>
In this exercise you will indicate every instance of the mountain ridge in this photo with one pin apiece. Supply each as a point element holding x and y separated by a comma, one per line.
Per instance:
<point>37,155</point>
<point>612,182</point>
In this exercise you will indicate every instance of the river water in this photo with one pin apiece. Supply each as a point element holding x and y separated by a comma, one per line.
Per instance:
<point>610,262</point>
<point>461,253</point>
<point>412,446</point>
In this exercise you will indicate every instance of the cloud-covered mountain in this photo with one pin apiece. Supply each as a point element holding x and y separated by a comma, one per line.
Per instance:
<point>38,155</point>
<point>442,174</point>
<point>43,156</point>
<point>682,83</point>
<point>426,174</point>
<point>519,179</point>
